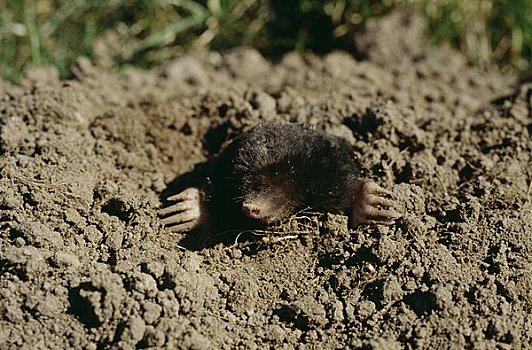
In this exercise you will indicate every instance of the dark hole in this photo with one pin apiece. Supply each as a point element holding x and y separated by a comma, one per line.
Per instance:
<point>186,129</point>
<point>215,137</point>
<point>116,207</point>
<point>166,282</point>
<point>363,254</point>
<point>508,338</point>
<point>405,175</point>
<point>466,173</point>
<point>222,110</point>
<point>81,307</point>
<point>287,315</point>
<point>7,267</point>
<point>28,198</point>
<point>453,215</point>
<point>421,302</point>
<point>113,258</point>
<point>373,292</point>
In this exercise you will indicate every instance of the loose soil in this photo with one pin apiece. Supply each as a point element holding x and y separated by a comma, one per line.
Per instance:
<point>85,163</point>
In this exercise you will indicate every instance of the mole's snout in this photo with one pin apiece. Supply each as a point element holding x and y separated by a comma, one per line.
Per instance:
<point>252,211</point>
<point>258,211</point>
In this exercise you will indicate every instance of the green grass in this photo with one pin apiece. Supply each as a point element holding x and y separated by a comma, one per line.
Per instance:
<point>120,33</point>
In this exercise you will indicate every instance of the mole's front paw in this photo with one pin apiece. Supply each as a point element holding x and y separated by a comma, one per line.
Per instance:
<point>187,214</point>
<point>373,205</point>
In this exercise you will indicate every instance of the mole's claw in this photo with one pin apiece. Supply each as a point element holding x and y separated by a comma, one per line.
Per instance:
<point>178,207</point>
<point>184,227</point>
<point>189,193</point>
<point>371,187</point>
<point>376,213</point>
<point>381,201</point>
<point>378,222</point>
<point>187,214</point>
<point>184,216</point>
<point>371,207</point>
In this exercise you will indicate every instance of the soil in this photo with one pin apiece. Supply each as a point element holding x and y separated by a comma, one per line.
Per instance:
<point>85,163</point>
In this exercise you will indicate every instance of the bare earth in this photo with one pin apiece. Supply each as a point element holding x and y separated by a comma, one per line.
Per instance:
<point>85,263</point>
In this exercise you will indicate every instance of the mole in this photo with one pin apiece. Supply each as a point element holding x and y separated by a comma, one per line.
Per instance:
<point>274,170</point>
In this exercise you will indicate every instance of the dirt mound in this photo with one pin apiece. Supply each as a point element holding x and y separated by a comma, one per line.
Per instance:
<point>85,263</point>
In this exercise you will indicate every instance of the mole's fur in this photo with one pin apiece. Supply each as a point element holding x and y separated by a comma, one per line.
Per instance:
<point>289,167</point>
<point>274,170</point>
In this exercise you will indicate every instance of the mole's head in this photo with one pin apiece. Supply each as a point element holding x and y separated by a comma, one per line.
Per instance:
<point>269,195</point>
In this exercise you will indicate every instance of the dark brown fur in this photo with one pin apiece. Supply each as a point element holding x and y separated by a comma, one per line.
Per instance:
<point>290,166</point>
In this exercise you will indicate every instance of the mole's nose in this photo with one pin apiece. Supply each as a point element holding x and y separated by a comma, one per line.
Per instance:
<point>251,210</point>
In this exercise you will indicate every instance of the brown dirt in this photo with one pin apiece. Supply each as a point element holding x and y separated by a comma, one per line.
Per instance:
<point>85,264</point>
